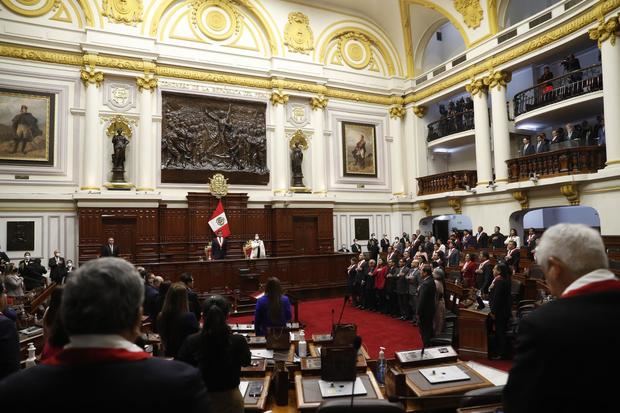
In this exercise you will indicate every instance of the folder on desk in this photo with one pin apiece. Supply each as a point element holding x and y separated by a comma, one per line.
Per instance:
<point>341,388</point>
<point>445,374</point>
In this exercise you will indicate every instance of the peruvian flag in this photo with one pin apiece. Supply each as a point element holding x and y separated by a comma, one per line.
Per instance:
<point>218,220</point>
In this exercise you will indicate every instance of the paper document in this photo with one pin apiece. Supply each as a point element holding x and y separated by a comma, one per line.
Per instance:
<point>243,387</point>
<point>341,388</point>
<point>445,374</point>
<point>261,353</point>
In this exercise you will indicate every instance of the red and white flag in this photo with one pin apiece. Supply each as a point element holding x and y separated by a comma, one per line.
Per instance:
<point>218,221</point>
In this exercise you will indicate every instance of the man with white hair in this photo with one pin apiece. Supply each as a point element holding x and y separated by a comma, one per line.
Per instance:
<point>567,350</point>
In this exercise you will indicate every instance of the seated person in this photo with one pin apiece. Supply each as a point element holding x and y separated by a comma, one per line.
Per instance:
<point>272,309</point>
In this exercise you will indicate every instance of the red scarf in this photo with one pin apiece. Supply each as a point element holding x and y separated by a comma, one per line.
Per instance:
<point>74,356</point>
<point>595,287</point>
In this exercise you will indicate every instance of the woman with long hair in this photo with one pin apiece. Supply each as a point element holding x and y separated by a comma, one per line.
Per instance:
<point>175,322</point>
<point>219,355</point>
<point>272,309</point>
<point>54,332</point>
<point>468,271</point>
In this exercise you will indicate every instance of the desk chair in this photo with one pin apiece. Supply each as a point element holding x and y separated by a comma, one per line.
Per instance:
<point>343,405</point>
<point>487,395</point>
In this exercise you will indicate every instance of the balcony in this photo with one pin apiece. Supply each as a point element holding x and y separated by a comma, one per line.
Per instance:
<point>446,182</point>
<point>451,123</point>
<point>570,85</point>
<point>566,161</point>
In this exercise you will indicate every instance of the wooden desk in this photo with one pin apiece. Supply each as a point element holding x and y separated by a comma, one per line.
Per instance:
<point>257,403</point>
<point>473,339</point>
<point>314,351</point>
<point>487,408</point>
<point>309,395</point>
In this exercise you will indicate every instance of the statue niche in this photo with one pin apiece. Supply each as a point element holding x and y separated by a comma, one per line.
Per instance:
<point>202,135</point>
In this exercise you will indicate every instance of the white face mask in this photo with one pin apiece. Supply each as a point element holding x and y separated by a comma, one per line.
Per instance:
<point>257,238</point>
<point>69,265</point>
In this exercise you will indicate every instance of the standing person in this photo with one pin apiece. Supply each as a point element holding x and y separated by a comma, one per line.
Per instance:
<point>380,274</point>
<point>110,249</point>
<point>9,341</point>
<point>192,297</point>
<point>426,305</point>
<point>13,282</point>
<point>219,245</point>
<point>175,322</point>
<point>413,282</point>
<point>513,237</point>
<point>351,273</point>
<point>513,256</point>
<point>402,288</point>
<point>361,272</point>
<point>373,247</point>
<point>385,243</point>
<point>54,332</point>
<point>32,272</point>
<point>440,303</point>
<point>70,269</point>
<point>497,239</point>
<point>391,297</point>
<point>258,248</point>
<point>482,239</point>
<point>355,247</point>
<point>219,355</point>
<point>500,301</point>
<point>273,309</point>
<point>541,144</point>
<point>551,338</point>
<point>370,293</point>
<point>58,269</point>
<point>101,311</point>
<point>468,271</point>
<point>484,273</point>
<point>528,148</point>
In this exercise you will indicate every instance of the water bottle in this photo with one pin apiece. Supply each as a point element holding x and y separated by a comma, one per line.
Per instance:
<point>381,366</point>
<point>302,346</point>
<point>31,361</point>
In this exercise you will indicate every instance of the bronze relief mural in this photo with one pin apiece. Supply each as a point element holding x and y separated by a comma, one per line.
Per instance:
<point>202,135</point>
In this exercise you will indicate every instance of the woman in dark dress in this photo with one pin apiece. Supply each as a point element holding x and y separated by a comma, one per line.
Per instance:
<point>175,322</point>
<point>500,301</point>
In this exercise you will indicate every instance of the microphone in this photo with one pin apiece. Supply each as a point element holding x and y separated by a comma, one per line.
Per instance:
<point>357,344</point>
<point>346,300</point>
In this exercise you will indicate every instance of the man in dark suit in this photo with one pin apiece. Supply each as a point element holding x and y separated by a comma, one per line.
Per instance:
<point>528,148</point>
<point>355,247</point>
<point>541,145</point>
<point>219,246</point>
<point>57,267</point>
<point>110,249</point>
<point>9,341</point>
<point>4,259</point>
<point>484,273</point>
<point>482,239</point>
<point>513,256</point>
<point>497,238</point>
<point>373,247</point>
<point>385,243</point>
<point>566,349</point>
<point>426,305</point>
<point>192,298</point>
<point>101,311</point>
<point>500,301</point>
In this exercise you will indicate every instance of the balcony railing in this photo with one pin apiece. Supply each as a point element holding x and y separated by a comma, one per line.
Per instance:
<point>446,182</point>
<point>449,124</point>
<point>568,161</point>
<point>571,84</point>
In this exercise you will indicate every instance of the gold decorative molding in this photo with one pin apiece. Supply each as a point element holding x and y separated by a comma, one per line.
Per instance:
<point>146,83</point>
<point>397,112</point>
<point>278,97</point>
<point>426,207</point>
<point>123,11</point>
<point>471,10</point>
<point>45,6</point>
<point>298,138</point>
<point>354,49</point>
<point>476,86</point>
<point>218,186</point>
<point>119,122</point>
<point>420,111</point>
<point>298,35</point>
<point>91,76</point>
<point>455,203</point>
<point>318,102</point>
<point>497,79</point>
<point>606,30</point>
<point>521,197</point>
<point>221,21</point>
<point>571,192</point>
<point>492,11</point>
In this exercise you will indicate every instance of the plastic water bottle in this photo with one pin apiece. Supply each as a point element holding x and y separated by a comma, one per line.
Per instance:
<point>381,366</point>
<point>302,346</point>
<point>31,361</point>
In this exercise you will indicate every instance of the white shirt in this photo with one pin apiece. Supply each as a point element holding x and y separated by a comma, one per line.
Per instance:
<point>589,278</point>
<point>102,341</point>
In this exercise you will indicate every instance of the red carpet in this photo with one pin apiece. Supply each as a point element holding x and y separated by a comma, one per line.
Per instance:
<point>374,328</point>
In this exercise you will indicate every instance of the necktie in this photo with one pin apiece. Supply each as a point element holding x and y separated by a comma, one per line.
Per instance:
<point>258,252</point>
<point>111,249</point>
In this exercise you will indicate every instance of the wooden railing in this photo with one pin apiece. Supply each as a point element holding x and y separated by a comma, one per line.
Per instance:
<point>450,124</point>
<point>567,161</point>
<point>446,182</point>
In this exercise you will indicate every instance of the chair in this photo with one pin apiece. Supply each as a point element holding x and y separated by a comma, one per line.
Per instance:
<point>487,395</point>
<point>343,405</point>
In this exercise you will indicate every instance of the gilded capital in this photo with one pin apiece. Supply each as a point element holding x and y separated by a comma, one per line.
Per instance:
<point>426,207</point>
<point>476,86</point>
<point>497,79</point>
<point>571,192</point>
<point>522,198</point>
<point>455,203</point>
<point>146,83</point>
<point>606,30</point>
<point>318,102</point>
<point>420,111</point>
<point>278,98</point>
<point>90,76</point>
<point>397,112</point>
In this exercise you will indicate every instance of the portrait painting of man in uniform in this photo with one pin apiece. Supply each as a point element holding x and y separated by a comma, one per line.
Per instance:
<point>27,127</point>
<point>359,149</point>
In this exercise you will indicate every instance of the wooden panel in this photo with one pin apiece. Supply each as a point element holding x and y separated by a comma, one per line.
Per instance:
<point>472,333</point>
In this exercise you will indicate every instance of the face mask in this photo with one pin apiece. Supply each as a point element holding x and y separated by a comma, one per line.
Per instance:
<point>69,265</point>
<point>256,238</point>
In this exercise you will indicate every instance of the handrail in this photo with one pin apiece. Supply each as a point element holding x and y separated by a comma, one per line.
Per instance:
<point>446,182</point>
<point>39,299</point>
<point>447,125</point>
<point>575,83</point>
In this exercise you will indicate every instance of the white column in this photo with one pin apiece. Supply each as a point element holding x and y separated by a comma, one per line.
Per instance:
<point>483,136</point>
<point>396,150</point>
<point>409,152</point>
<point>499,111</point>
<point>610,61</point>
<point>92,147</point>
<point>318,145</point>
<point>282,163</point>
<point>420,145</point>
<point>145,144</point>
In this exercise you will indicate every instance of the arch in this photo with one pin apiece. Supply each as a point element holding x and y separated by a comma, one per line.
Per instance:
<point>543,218</point>
<point>455,221</point>
<point>423,43</point>
<point>88,12</point>
<point>531,7</point>
<point>455,22</point>
<point>429,48</point>
<point>272,38</point>
<point>394,68</point>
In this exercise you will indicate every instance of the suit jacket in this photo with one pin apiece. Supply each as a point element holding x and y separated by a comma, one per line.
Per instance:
<point>500,298</point>
<point>482,240</point>
<point>385,243</point>
<point>529,150</point>
<point>4,257</point>
<point>356,248</point>
<point>9,347</point>
<point>563,350</point>
<point>57,271</point>
<point>106,252</point>
<point>218,251</point>
<point>514,258</point>
<point>426,299</point>
<point>108,387</point>
<point>542,147</point>
<point>485,278</point>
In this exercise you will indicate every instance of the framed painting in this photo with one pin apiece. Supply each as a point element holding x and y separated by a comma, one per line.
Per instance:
<point>27,127</point>
<point>20,236</point>
<point>359,149</point>
<point>362,228</point>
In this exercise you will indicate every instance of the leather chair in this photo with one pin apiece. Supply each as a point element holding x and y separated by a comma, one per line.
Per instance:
<point>343,405</point>
<point>478,397</point>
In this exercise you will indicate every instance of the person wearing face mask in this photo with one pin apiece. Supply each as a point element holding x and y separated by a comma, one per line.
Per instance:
<point>4,259</point>
<point>23,265</point>
<point>70,270</point>
<point>58,269</point>
<point>258,248</point>
<point>32,271</point>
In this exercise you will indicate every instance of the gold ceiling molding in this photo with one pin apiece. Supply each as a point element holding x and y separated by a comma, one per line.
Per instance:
<point>522,198</point>
<point>571,192</point>
<point>405,22</point>
<point>222,18</point>
<point>587,17</point>
<point>119,122</point>
<point>123,11</point>
<point>247,5</point>
<point>44,7</point>
<point>476,86</point>
<point>278,97</point>
<point>298,35</point>
<point>492,12</point>
<point>471,10</point>
<point>318,102</point>
<point>146,83</point>
<point>91,76</point>
<point>497,79</point>
<point>397,112</point>
<point>420,111</point>
<point>455,203</point>
<point>606,30</point>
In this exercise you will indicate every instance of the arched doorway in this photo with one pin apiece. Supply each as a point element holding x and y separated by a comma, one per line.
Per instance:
<point>543,218</point>
<point>442,225</point>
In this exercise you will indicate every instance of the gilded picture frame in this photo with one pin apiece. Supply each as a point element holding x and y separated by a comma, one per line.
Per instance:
<point>359,150</point>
